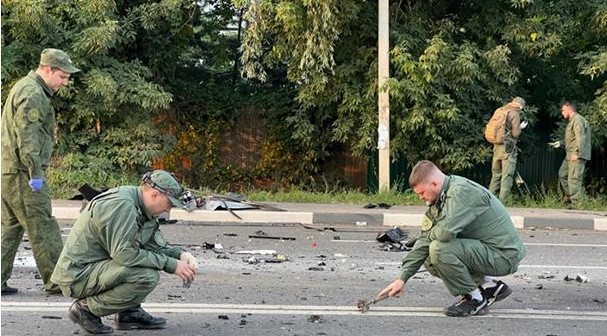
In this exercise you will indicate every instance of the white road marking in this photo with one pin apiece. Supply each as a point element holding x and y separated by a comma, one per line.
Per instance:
<point>196,308</point>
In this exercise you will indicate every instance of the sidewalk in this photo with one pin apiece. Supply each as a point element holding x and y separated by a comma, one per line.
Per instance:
<point>331,214</point>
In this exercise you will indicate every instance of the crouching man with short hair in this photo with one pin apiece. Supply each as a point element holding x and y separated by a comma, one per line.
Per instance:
<point>466,237</point>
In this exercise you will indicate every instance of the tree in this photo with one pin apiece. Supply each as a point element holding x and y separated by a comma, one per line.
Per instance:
<point>453,63</point>
<point>127,50</point>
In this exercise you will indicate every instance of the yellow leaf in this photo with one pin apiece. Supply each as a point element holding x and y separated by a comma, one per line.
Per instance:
<point>533,36</point>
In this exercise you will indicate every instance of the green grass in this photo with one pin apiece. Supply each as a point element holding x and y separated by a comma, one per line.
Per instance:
<point>539,199</point>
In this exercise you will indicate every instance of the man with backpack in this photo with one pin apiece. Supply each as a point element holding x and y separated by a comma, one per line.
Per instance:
<point>503,131</point>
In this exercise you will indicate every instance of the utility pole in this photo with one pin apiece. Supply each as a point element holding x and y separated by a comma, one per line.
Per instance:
<point>383,102</point>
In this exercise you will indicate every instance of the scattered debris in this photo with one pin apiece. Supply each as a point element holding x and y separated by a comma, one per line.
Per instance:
<point>600,301</point>
<point>316,268</point>
<point>52,317</point>
<point>392,247</point>
<point>262,252</point>
<point>539,286</point>
<point>364,305</point>
<point>315,318</point>
<point>222,256</point>
<point>579,278</point>
<point>336,238</point>
<point>392,240</point>
<point>271,237</point>
<point>546,277</point>
<point>274,259</point>
<point>379,205</point>
<point>361,223</point>
<point>223,317</point>
<point>217,248</point>
<point>230,234</point>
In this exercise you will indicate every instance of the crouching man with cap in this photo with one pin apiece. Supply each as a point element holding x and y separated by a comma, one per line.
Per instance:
<point>112,257</point>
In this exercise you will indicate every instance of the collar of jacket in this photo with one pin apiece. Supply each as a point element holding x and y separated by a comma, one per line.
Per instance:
<point>440,202</point>
<point>142,209</point>
<point>42,83</point>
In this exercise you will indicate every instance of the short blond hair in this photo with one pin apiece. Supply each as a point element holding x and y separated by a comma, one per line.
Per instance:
<point>421,172</point>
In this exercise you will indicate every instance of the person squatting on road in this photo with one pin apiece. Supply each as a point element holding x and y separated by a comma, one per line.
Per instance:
<point>578,149</point>
<point>28,137</point>
<point>503,165</point>
<point>466,238</point>
<point>114,252</point>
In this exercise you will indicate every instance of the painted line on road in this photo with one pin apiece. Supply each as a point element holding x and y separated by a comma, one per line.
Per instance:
<point>195,308</point>
<point>567,245</point>
<point>520,266</point>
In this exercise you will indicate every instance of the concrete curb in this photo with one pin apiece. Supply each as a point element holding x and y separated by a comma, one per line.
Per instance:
<point>351,218</point>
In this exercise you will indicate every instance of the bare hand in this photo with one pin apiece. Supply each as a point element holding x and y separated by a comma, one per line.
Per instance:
<point>393,289</point>
<point>185,271</point>
<point>190,260</point>
<point>574,157</point>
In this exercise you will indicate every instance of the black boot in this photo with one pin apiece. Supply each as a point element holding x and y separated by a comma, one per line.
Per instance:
<point>8,290</point>
<point>137,318</point>
<point>80,314</point>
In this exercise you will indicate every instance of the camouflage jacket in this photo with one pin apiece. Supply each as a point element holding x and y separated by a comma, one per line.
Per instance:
<point>28,122</point>
<point>577,138</point>
<point>465,209</point>
<point>115,226</point>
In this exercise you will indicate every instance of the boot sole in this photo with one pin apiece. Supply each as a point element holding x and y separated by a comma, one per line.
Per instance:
<point>130,326</point>
<point>501,294</point>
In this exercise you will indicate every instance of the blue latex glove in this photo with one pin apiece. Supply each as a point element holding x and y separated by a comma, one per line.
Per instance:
<point>36,184</point>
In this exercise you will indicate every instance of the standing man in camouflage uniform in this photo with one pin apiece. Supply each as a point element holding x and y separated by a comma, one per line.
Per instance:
<point>503,165</point>
<point>113,255</point>
<point>577,147</point>
<point>466,237</point>
<point>28,123</point>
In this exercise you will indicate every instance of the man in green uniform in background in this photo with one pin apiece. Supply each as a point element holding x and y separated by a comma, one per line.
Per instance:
<point>28,125</point>
<point>113,255</point>
<point>577,148</point>
<point>466,237</point>
<point>503,165</point>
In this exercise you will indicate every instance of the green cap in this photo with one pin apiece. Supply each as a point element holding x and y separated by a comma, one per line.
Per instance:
<point>56,58</point>
<point>166,183</point>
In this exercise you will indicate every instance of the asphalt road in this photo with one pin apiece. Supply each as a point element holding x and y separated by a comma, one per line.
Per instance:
<point>316,290</point>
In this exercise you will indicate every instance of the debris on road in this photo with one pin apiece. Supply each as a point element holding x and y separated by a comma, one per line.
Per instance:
<point>579,278</point>
<point>223,317</point>
<point>262,252</point>
<point>315,319</point>
<point>364,305</point>
<point>392,240</point>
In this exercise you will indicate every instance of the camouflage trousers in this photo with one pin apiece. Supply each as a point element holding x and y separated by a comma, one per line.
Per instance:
<point>26,211</point>
<point>111,288</point>
<point>463,263</point>
<point>503,168</point>
<point>571,178</point>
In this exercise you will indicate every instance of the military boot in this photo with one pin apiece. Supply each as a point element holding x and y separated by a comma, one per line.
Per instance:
<point>80,314</point>
<point>137,318</point>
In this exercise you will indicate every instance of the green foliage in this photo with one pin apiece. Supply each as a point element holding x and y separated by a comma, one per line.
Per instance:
<point>125,49</point>
<point>75,170</point>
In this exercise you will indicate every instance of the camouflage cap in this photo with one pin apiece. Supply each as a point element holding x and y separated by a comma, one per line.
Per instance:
<point>56,58</point>
<point>166,183</point>
<point>519,101</point>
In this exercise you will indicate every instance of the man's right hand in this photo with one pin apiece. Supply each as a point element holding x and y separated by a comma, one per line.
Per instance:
<point>555,144</point>
<point>185,271</point>
<point>395,288</point>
